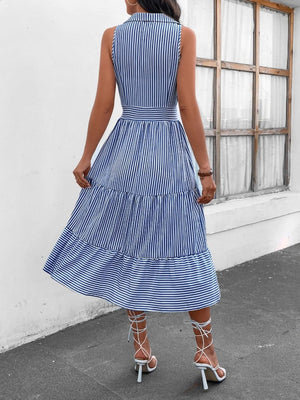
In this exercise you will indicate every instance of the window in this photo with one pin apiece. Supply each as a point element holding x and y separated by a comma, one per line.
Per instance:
<point>243,88</point>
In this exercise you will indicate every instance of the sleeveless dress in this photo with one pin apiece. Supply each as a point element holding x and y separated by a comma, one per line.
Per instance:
<point>137,236</point>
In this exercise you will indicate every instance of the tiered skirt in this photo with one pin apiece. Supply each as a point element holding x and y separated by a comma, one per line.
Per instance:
<point>137,236</point>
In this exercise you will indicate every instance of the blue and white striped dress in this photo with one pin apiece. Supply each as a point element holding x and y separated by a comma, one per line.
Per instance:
<point>137,237</point>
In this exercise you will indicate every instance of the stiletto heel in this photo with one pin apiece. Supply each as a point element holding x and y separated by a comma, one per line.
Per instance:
<point>208,371</point>
<point>139,379</point>
<point>204,381</point>
<point>141,365</point>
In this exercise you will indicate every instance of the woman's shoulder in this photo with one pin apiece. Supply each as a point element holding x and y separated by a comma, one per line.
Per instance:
<point>187,32</point>
<point>109,32</point>
<point>107,38</point>
<point>108,35</point>
<point>188,36</point>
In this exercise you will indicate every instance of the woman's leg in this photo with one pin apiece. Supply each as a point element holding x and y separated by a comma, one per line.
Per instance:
<point>203,315</point>
<point>142,337</point>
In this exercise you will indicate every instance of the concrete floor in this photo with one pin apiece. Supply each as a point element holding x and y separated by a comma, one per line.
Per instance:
<point>256,336</point>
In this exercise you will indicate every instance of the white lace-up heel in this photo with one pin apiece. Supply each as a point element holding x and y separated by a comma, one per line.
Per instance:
<point>208,372</point>
<point>140,364</point>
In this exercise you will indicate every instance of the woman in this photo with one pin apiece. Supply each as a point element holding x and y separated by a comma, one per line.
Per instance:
<point>136,236</point>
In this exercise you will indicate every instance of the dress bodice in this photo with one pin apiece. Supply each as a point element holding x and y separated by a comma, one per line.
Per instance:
<point>152,39</point>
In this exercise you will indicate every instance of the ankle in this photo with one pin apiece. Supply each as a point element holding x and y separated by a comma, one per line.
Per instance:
<point>208,346</point>
<point>207,354</point>
<point>142,351</point>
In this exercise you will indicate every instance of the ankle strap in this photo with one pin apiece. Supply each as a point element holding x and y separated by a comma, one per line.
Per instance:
<point>136,318</point>
<point>200,327</point>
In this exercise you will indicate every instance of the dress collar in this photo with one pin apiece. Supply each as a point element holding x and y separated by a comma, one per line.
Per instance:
<point>146,16</point>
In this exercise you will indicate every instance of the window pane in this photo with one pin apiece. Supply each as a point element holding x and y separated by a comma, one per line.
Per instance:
<point>272,101</point>
<point>273,49</point>
<point>236,99</point>
<point>204,94</point>
<point>237,31</point>
<point>201,20</point>
<point>271,159</point>
<point>236,164</point>
<point>210,144</point>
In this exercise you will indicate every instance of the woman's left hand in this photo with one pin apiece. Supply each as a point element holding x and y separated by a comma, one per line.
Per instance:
<point>208,190</point>
<point>81,171</point>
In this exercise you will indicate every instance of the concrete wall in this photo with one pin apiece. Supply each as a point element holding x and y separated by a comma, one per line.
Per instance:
<point>49,55</point>
<point>49,52</point>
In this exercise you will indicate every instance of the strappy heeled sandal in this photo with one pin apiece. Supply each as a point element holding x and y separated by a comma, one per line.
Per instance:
<point>141,365</point>
<point>208,371</point>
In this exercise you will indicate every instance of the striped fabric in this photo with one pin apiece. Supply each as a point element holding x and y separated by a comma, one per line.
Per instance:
<point>137,237</point>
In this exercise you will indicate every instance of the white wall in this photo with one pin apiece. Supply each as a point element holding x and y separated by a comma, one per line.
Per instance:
<point>49,52</point>
<point>49,59</point>
<point>295,137</point>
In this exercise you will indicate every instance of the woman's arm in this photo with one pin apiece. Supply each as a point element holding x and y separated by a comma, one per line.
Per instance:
<point>189,110</point>
<point>102,108</point>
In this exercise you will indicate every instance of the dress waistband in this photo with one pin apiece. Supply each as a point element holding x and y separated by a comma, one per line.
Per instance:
<point>152,113</point>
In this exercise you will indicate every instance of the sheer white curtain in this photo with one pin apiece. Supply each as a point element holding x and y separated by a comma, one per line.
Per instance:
<point>201,20</point>
<point>205,100</point>
<point>205,94</point>
<point>272,97</point>
<point>273,38</point>
<point>272,101</point>
<point>236,164</point>
<point>210,144</point>
<point>236,152</point>
<point>237,27</point>
<point>237,35</point>
<point>270,160</point>
<point>236,99</point>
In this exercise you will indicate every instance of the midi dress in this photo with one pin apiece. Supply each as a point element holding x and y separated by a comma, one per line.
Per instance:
<point>137,236</point>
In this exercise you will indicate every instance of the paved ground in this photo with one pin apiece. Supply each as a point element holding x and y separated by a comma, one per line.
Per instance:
<point>256,336</point>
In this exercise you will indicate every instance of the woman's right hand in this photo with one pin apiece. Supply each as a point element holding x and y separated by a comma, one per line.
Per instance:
<point>208,189</point>
<point>81,171</point>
